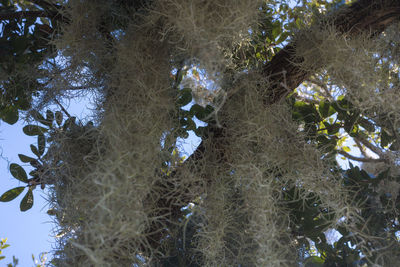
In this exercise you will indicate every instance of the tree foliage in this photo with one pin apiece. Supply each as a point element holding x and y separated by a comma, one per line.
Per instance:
<point>277,92</point>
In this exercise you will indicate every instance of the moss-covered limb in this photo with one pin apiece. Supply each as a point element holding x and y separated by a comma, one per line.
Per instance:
<point>373,16</point>
<point>365,16</point>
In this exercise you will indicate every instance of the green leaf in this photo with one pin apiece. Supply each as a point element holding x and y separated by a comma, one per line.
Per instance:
<point>308,112</point>
<point>326,109</point>
<point>41,144</point>
<point>37,116</point>
<point>197,111</point>
<point>27,201</point>
<point>190,125</point>
<point>314,261</point>
<point>349,122</point>
<point>51,212</point>
<point>323,108</point>
<point>333,128</point>
<point>25,159</point>
<point>33,130</point>
<point>11,194</point>
<point>35,151</point>
<point>49,116</point>
<point>59,117</point>
<point>18,172</point>
<point>282,37</point>
<point>185,97</point>
<point>9,115</point>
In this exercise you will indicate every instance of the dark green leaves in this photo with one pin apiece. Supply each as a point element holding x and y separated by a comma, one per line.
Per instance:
<point>11,194</point>
<point>185,97</point>
<point>59,117</point>
<point>25,159</point>
<point>37,116</point>
<point>314,261</point>
<point>332,128</point>
<point>18,172</point>
<point>325,109</point>
<point>41,144</point>
<point>35,151</point>
<point>33,130</point>
<point>306,112</point>
<point>27,201</point>
<point>200,112</point>
<point>9,114</point>
<point>49,116</point>
<point>48,121</point>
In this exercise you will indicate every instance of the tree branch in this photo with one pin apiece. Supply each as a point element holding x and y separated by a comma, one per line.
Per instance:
<point>23,15</point>
<point>369,145</point>
<point>349,156</point>
<point>361,148</point>
<point>33,14</point>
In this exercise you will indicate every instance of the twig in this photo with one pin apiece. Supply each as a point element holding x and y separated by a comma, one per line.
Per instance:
<point>361,148</point>
<point>62,108</point>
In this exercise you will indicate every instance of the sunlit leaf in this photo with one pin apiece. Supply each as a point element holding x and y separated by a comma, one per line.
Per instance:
<point>346,149</point>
